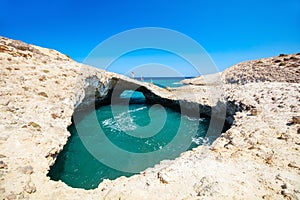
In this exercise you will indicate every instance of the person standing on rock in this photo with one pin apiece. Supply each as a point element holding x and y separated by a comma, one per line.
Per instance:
<point>132,75</point>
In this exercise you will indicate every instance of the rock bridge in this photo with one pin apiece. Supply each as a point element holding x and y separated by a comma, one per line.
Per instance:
<point>151,92</point>
<point>99,91</point>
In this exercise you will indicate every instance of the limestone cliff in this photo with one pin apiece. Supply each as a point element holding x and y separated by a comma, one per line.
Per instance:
<point>257,158</point>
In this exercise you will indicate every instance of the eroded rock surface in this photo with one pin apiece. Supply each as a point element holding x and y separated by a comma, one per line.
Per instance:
<point>282,68</point>
<point>257,158</point>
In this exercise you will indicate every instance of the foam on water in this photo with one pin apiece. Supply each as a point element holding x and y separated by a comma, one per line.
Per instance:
<point>122,121</point>
<point>200,140</point>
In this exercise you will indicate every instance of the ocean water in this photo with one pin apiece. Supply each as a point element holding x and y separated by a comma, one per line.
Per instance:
<point>155,132</point>
<point>166,81</point>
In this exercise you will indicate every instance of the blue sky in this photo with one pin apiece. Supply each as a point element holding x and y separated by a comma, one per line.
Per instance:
<point>230,31</point>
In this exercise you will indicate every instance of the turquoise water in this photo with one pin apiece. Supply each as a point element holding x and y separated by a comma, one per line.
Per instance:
<point>146,133</point>
<point>166,82</point>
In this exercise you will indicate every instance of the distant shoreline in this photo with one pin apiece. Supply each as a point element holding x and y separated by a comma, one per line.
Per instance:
<point>161,77</point>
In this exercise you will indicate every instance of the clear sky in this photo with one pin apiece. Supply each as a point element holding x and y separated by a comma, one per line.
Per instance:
<point>230,31</point>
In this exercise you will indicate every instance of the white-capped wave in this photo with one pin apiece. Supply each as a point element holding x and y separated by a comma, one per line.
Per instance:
<point>137,109</point>
<point>122,121</point>
<point>194,118</point>
<point>201,140</point>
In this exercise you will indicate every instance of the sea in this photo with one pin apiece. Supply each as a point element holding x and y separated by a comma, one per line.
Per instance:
<point>166,81</point>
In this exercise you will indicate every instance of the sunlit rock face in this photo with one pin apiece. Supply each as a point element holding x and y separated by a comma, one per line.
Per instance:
<point>258,157</point>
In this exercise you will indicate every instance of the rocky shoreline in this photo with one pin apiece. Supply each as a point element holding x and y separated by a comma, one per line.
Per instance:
<point>257,158</point>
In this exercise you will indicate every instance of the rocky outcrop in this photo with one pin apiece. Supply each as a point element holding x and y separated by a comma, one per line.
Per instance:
<point>282,68</point>
<point>257,158</point>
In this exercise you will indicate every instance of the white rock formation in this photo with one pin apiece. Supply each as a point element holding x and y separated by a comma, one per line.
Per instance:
<point>257,158</point>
